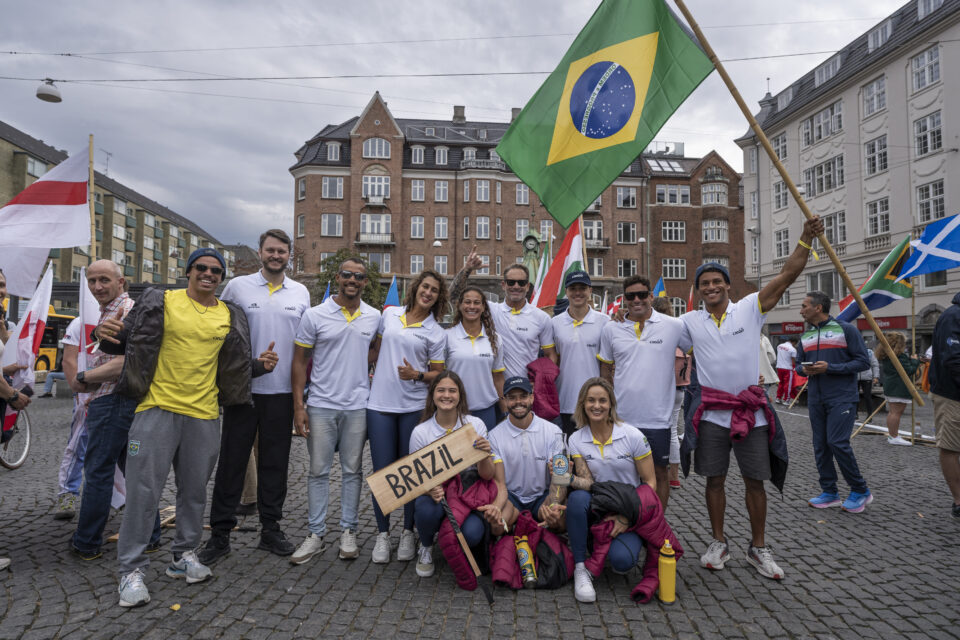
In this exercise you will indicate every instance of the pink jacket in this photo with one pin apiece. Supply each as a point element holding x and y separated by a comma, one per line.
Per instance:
<point>462,503</point>
<point>744,406</point>
<point>543,373</point>
<point>505,568</point>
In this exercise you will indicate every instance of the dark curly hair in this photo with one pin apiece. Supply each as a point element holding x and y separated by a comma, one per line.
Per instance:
<point>439,305</point>
<point>486,318</point>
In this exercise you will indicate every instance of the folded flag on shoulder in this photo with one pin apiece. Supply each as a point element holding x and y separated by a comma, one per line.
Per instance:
<point>882,287</point>
<point>938,249</point>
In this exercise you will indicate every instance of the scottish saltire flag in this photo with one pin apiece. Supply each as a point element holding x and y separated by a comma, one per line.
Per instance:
<point>624,75</point>
<point>938,249</point>
<point>393,295</point>
<point>659,291</point>
<point>883,286</point>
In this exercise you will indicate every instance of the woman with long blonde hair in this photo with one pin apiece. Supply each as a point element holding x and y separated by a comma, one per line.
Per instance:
<point>894,389</point>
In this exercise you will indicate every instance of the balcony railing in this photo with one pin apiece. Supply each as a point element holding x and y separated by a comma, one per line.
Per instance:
<point>877,242</point>
<point>597,243</point>
<point>477,163</point>
<point>374,238</point>
<point>374,200</point>
<point>594,207</point>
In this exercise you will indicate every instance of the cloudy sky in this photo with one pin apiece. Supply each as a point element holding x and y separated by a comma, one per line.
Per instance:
<point>218,151</point>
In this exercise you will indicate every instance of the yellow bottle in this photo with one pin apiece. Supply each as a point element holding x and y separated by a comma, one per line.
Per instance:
<point>667,568</point>
<point>525,557</point>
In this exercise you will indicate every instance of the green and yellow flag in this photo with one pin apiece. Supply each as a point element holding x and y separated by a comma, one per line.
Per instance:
<point>626,73</point>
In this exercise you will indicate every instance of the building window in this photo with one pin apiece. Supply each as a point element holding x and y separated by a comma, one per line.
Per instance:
<point>498,224</point>
<point>376,148</point>
<point>416,226</point>
<point>755,249</point>
<point>595,267</point>
<point>781,243</point>
<point>148,243</point>
<point>376,186</point>
<point>626,197</point>
<point>483,227</point>
<point>930,280</point>
<point>466,191</point>
<point>416,264</point>
<point>147,266</point>
<point>499,265</point>
<point>428,131</point>
<point>626,268</point>
<point>874,97</point>
<point>118,256</point>
<point>485,269</point>
<point>483,191</point>
<point>499,189</point>
<point>382,260</point>
<point>876,155</point>
<point>466,227</point>
<point>592,229</point>
<point>332,188</point>
<point>721,260</point>
<point>546,229</point>
<point>119,232</point>
<point>440,191</point>
<point>174,232</point>
<point>823,177</point>
<point>926,68</point>
<point>674,269</point>
<point>679,306</point>
<point>75,274</point>
<point>835,227</point>
<point>780,145</point>
<point>523,193</point>
<point>469,153</point>
<point>673,231</point>
<point>416,155</point>
<point>627,233</point>
<point>826,281</point>
<point>673,194</point>
<point>333,151</point>
<point>754,205</point>
<point>373,223</point>
<point>926,7</point>
<point>119,206</point>
<point>440,264</point>
<point>301,225</point>
<point>784,98</point>
<point>301,188</point>
<point>523,227</point>
<point>752,159</point>
<point>827,70</point>
<point>823,124</point>
<point>927,134</point>
<point>930,203</point>
<point>417,189</point>
<point>35,167</point>
<point>149,220</point>
<point>715,230</point>
<point>441,156</point>
<point>879,35</point>
<point>331,224</point>
<point>878,217</point>
<point>780,196</point>
<point>713,193</point>
<point>440,228</point>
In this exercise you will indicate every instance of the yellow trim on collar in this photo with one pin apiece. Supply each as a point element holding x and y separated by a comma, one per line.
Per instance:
<point>273,289</point>
<point>722,318</point>
<point>403,321</point>
<point>350,317</point>
<point>601,444</point>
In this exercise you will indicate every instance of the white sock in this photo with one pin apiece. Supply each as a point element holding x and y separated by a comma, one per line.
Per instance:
<point>580,565</point>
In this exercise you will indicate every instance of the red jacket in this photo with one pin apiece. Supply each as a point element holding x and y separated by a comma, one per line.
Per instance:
<point>543,373</point>
<point>744,406</point>
<point>505,568</point>
<point>462,503</point>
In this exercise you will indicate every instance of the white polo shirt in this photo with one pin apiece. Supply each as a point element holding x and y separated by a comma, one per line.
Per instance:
<point>473,360</point>
<point>430,431</point>
<point>578,343</point>
<point>726,356</point>
<point>72,334</point>
<point>340,343</point>
<point>421,343</point>
<point>615,459</point>
<point>786,354</point>
<point>645,376</point>
<point>524,454</point>
<point>273,316</point>
<point>522,334</point>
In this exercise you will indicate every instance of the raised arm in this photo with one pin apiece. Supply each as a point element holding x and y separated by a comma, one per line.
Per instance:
<point>793,267</point>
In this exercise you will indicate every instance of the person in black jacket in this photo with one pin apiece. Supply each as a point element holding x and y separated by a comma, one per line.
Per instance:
<point>945,388</point>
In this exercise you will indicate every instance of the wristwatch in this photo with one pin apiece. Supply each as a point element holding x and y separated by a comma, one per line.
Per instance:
<point>13,398</point>
<point>419,376</point>
<point>80,376</point>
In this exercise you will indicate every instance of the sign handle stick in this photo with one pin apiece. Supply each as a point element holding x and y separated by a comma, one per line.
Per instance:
<point>466,550</point>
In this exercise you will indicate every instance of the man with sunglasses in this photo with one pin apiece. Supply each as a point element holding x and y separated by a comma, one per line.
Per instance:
<point>338,333</point>
<point>638,356</point>
<point>186,353</point>
<point>274,305</point>
<point>523,329</point>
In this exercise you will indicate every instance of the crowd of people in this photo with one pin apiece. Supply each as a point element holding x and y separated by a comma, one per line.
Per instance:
<point>625,400</point>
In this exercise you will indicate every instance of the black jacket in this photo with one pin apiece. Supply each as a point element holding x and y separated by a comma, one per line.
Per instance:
<point>140,343</point>
<point>945,363</point>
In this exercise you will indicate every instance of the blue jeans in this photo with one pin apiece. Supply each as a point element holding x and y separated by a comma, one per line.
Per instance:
<point>430,515</point>
<point>335,430</point>
<point>389,435</point>
<point>624,550</point>
<point>533,506</point>
<point>488,416</point>
<point>108,423</point>
<point>52,377</point>
<point>831,426</point>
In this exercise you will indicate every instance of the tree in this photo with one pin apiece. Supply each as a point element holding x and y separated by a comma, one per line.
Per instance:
<point>373,293</point>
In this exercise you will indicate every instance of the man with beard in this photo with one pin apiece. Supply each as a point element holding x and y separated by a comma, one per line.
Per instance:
<point>274,305</point>
<point>523,329</point>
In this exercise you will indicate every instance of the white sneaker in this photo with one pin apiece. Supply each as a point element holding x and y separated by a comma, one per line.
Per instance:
<point>898,440</point>
<point>381,550</point>
<point>133,592</point>
<point>310,547</point>
<point>583,589</point>
<point>348,545</point>
<point>407,549</point>
<point>762,559</point>
<point>716,556</point>
<point>425,561</point>
<point>189,567</point>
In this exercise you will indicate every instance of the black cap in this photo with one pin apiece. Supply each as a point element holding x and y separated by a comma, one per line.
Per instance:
<point>577,277</point>
<point>711,266</point>
<point>517,382</point>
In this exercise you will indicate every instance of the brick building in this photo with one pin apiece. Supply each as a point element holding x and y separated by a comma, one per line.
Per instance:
<point>411,194</point>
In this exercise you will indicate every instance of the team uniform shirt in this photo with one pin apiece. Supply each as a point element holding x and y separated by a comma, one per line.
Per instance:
<point>524,454</point>
<point>786,354</point>
<point>421,344</point>
<point>185,380</point>
<point>473,360</point>
<point>578,343</point>
<point>340,343</point>
<point>522,334</point>
<point>273,315</point>
<point>726,354</point>
<point>615,459</point>
<point>74,333</point>
<point>645,379</point>
<point>430,431</point>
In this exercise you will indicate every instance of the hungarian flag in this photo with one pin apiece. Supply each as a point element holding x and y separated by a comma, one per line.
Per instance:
<point>545,260</point>
<point>24,343</point>
<point>690,299</point>
<point>881,288</point>
<point>624,75</point>
<point>568,259</point>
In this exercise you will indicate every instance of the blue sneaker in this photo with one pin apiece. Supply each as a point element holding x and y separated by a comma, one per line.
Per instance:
<point>825,501</point>
<point>857,502</point>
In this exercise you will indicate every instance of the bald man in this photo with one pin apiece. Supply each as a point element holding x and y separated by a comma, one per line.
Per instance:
<point>109,416</point>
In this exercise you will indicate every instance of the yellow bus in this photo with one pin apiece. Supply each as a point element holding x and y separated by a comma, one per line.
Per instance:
<point>51,347</point>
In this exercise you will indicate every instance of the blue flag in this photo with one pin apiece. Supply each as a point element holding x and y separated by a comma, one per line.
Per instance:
<point>327,293</point>
<point>393,296</point>
<point>659,291</point>
<point>938,249</point>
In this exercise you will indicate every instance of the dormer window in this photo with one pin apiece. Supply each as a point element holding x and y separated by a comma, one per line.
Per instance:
<point>827,70</point>
<point>784,98</point>
<point>376,148</point>
<point>333,151</point>
<point>416,155</point>
<point>469,153</point>
<point>429,131</point>
<point>877,37</point>
<point>441,156</point>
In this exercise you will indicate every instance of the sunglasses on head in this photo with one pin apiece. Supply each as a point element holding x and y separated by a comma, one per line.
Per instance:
<point>516,283</point>
<point>356,275</point>
<point>202,268</point>
<point>636,295</point>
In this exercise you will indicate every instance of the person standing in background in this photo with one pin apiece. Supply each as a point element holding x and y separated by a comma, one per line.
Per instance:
<point>786,362</point>
<point>894,389</point>
<point>866,380</point>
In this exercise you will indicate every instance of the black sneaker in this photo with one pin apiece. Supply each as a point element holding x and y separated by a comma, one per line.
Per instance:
<point>275,542</point>
<point>153,547</point>
<point>217,547</point>
<point>85,555</point>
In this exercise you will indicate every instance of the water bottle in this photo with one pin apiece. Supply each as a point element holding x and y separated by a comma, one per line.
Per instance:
<point>667,569</point>
<point>528,572</point>
<point>560,464</point>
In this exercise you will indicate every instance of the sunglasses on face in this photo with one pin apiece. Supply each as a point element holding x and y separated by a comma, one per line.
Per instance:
<point>636,295</point>
<point>355,275</point>
<point>202,268</point>
<point>517,283</point>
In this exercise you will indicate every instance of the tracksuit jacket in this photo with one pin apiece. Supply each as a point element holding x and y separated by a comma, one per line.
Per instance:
<point>841,346</point>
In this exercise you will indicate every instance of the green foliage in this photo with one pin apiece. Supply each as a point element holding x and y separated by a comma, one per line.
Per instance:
<point>373,294</point>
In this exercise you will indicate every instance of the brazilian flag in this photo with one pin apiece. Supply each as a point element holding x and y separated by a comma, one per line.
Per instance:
<point>626,73</point>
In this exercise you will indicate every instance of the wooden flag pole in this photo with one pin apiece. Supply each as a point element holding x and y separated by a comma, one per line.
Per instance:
<point>869,418</point>
<point>762,137</point>
<point>913,350</point>
<point>90,201</point>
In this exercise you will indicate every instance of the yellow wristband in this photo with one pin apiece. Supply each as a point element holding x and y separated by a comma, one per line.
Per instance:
<point>807,246</point>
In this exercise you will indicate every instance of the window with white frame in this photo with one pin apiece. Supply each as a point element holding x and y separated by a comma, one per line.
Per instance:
<point>781,243</point>
<point>673,231</point>
<point>441,154</point>
<point>440,191</point>
<point>416,263</point>
<point>75,274</point>
<point>382,260</point>
<point>626,268</point>
<point>119,206</point>
<point>721,260</point>
<point>149,220</point>
<point>499,265</point>
<point>174,232</point>
<point>301,225</point>
<point>879,35</point>
<point>483,227</point>
<point>523,193</point>
<point>755,249</point>
<point>546,230</point>
<point>715,230</point>
<point>823,124</point>
<point>298,266</point>
<point>376,148</point>
<point>494,155</point>
<point>469,153</point>
<point>927,134</point>
<point>679,306</point>
<point>926,7</point>
<point>592,229</point>
<point>835,227</point>
<point>926,68</point>
<point>626,197</point>
<point>35,167</point>
<point>752,160</point>
<point>523,227</point>
<point>875,153</point>
<point>417,189</point>
<point>428,131</point>
<point>331,224</point>
<point>147,266</point>
<point>483,191</point>
<point>626,233</point>
<point>878,217</point>
<point>934,280</point>
<point>466,227</point>
<point>874,96</point>
<point>324,256</point>
<point>826,281</point>
<point>784,98</point>
<point>148,243</point>
<point>332,188</point>
<point>827,70</point>
<point>440,228</point>
<point>713,193</point>
<point>416,155</point>
<point>466,191</point>
<point>780,196</point>
<point>440,264</point>
<point>375,186</point>
<point>499,190</point>
<point>499,224</point>
<point>754,205</point>
<point>930,202</point>
<point>374,223</point>
<point>119,232</point>
<point>416,226</point>
<point>825,176</point>
<point>673,194</point>
<point>485,269</point>
<point>595,267</point>
<point>780,145</point>
<point>333,151</point>
<point>674,269</point>
<point>301,188</point>
<point>118,256</point>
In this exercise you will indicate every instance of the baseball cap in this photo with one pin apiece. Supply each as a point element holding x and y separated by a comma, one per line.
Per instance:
<point>206,251</point>
<point>711,266</point>
<point>517,382</point>
<point>577,277</point>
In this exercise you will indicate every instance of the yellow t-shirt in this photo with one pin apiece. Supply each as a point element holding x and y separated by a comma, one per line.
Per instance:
<point>185,380</point>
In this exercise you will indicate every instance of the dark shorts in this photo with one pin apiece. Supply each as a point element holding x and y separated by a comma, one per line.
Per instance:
<point>533,506</point>
<point>659,441</point>
<point>712,455</point>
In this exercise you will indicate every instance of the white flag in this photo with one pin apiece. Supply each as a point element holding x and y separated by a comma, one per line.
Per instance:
<point>25,340</point>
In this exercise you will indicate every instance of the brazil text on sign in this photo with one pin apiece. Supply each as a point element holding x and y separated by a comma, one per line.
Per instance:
<point>415,474</point>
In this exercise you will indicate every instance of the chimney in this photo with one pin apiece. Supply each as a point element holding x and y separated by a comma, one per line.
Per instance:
<point>458,114</point>
<point>514,112</point>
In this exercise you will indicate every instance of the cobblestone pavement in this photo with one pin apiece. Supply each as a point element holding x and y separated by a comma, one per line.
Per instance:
<point>889,572</point>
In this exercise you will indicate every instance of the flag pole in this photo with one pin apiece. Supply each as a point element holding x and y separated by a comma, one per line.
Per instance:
<point>913,350</point>
<point>90,201</point>
<point>765,142</point>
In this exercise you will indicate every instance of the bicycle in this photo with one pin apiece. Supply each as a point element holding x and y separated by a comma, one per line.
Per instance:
<point>16,444</point>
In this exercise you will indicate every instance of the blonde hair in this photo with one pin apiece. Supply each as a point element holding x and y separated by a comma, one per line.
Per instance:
<point>580,413</point>
<point>897,342</point>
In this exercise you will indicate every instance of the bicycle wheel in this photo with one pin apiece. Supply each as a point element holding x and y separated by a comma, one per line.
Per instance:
<point>14,451</point>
